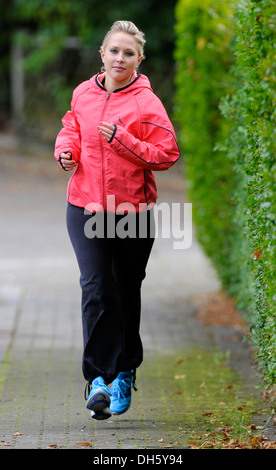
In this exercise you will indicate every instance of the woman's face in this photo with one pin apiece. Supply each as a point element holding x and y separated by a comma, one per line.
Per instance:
<point>120,58</point>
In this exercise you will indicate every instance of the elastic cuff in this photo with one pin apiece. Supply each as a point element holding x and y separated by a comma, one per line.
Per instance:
<point>114,132</point>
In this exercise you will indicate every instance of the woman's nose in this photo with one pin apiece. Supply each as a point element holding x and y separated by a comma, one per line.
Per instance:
<point>120,57</point>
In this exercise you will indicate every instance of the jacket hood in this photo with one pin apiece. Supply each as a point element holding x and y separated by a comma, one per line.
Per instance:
<point>138,81</point>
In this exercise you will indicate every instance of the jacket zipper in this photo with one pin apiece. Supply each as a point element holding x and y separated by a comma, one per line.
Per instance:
<point>103,162</point>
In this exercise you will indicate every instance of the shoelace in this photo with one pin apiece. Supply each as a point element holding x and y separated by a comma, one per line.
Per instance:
<point>88,386</point>
<point>87,390</point>
<point>121,386</point>
<point>134,380</point>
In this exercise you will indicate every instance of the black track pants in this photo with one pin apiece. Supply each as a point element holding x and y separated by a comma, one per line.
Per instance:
<point>112,269</point>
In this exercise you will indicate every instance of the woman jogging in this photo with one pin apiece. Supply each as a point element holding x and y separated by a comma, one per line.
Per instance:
<point>115,135</point>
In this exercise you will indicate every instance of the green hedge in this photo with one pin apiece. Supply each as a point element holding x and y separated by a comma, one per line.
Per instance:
<point>224,105</point>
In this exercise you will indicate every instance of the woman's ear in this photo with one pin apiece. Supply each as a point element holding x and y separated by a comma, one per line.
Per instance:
<point>102,55</point>
<point>139,61</point>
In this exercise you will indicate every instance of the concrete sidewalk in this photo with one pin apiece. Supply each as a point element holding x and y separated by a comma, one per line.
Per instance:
<point>41,383</point>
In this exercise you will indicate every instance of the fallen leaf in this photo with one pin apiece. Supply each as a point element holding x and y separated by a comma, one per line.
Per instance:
<point>257,254</point>
<point>254,442</point>
<point>193,443</point>
<point>223,428</point>
<point>17,434</point>
<point>198,436</point>
<point>161,440</point>
<point>219,309</point>
<point>269,445</point>
<point>252,426</point>
<point>202,385</point>
<point>83,444</point>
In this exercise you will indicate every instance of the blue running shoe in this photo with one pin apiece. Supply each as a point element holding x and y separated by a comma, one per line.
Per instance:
<point>98,400</point>
<point>121,392</point>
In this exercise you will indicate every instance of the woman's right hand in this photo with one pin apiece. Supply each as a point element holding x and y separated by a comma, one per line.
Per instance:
<point>66,161</point>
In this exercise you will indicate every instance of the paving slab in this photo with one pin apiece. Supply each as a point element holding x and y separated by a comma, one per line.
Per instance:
<point>41,383</point>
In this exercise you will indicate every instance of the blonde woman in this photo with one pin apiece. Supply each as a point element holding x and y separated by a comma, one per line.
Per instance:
<point>115,136</point>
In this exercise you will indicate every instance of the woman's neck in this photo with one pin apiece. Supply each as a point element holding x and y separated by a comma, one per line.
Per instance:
<point>112,85</point>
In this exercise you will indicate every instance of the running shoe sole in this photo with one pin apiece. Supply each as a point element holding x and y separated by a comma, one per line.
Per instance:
<point>102,414</point>
<point>98,404</point>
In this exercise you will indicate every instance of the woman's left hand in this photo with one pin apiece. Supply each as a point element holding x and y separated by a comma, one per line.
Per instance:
<point>106,129</point>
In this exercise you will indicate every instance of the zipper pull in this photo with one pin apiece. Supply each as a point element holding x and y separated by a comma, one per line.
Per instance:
<point>108,95</point>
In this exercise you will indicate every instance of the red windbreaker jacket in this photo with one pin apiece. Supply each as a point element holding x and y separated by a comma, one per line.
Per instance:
<point>116,175</point>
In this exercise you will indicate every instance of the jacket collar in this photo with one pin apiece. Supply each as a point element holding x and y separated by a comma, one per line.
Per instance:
<point>100,77</point>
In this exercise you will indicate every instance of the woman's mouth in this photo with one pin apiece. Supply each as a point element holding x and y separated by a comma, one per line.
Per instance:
<point>118,68</point>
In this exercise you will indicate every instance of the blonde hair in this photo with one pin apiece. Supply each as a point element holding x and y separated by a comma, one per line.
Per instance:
<point>126,27</point>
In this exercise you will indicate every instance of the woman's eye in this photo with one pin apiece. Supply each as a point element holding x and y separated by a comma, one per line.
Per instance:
<point>115,51</point>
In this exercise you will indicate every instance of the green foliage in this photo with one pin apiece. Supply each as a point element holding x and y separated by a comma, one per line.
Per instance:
<point>252,109</point>
<point>231,166</point>
<point>204,31</point>
<point>44,26</point>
